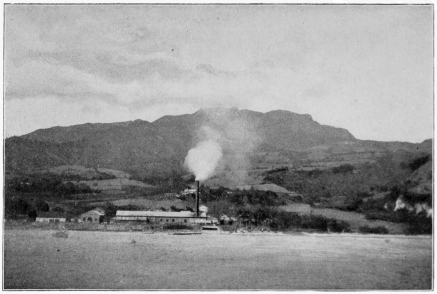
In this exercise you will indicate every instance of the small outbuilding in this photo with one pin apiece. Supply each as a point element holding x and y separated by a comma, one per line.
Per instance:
<point>92,216</point>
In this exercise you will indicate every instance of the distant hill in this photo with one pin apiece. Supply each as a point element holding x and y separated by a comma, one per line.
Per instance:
<point>279,137</point>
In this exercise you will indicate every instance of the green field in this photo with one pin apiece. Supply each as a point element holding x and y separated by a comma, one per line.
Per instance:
<point>34,259</point>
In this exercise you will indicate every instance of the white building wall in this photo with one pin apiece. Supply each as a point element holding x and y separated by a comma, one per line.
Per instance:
<point>47,220</point>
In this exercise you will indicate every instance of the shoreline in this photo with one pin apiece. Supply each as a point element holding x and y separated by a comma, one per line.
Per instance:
<point>226,233</point>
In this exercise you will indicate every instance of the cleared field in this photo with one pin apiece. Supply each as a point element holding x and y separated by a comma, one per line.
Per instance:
<point>357,220</point>
<point>114,184</point>
<point>35,259</point>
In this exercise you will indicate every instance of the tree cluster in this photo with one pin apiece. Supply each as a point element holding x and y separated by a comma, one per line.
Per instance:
<point>241,197</point>
<point>345,180</point>
<point>173,181</point>
<point>278,219</point>
<point>51,183</point>
<point>417,162</point>
<point>15,206</point>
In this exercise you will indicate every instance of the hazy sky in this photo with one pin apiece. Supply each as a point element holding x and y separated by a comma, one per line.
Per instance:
<point>368,69</point>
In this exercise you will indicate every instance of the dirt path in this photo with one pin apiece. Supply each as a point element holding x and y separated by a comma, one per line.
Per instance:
<point>34,259</point>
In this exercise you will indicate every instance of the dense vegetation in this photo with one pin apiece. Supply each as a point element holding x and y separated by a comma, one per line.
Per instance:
<point>346,180</point>
<point>282,220</point>
<point>173,181</point>
<point>376,230</point>
<point>44,183</point>
<point>356,185</point>
<point>241,197</point>
<point>417,162</point>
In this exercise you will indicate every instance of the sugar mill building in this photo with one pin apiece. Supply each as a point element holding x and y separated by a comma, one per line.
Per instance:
<point>160,217</point>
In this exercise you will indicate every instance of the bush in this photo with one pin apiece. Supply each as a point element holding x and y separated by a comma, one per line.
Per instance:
<point>315,222</point>
<point>32,215</point>
<point>419,224</point>
<point>418,162</point>
<point>338,226</point>
<point>174,208</point>
<point>374,230</point>
<point>286,220</point>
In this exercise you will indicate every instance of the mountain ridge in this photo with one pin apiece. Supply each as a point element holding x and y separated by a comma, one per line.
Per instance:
<point>163,144</point>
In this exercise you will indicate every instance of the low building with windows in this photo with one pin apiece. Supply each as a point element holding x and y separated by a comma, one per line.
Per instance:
<point>159,217</point>
<point>51,217</point>
<point>92,216</point>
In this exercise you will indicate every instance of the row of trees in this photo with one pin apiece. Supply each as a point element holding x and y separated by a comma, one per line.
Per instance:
<point>241,197</point>
<point>15,206</point>
<point>46,183</point>
<point>282,220</point>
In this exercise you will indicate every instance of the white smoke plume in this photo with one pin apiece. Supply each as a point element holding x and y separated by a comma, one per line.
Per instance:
<point>203,159</point>
<point>235,134</point>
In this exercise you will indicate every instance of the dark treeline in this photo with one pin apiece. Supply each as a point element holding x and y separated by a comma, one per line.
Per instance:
<point>416,163</point>
<point>241,197</point>
<point>277,219</point>
<point>173,181</point>
<point>45,183</point>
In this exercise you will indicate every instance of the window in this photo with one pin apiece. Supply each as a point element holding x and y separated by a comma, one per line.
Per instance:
<point>172,220</point>
<point>185,220</point>
<point>166,220</point>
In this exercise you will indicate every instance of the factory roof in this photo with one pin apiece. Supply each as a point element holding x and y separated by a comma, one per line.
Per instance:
<point>156,213</point>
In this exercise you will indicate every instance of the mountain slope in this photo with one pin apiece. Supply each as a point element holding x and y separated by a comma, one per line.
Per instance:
<point>163,144</point>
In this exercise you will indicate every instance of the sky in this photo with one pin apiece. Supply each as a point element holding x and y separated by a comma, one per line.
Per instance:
<point>365,68</point>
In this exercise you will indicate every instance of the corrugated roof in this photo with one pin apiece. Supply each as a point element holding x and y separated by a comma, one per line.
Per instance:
<point>155,213</point>
<point>94,211</point>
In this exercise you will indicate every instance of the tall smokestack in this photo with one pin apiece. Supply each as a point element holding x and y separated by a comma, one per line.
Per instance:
<point>197,199</point>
